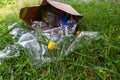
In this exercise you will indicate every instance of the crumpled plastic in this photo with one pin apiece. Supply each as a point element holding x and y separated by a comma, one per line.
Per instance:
<point>18,31</point>
<point>38,52</point>
<point>87,34</point>
<point>10,51</point>
<point>34,49</point>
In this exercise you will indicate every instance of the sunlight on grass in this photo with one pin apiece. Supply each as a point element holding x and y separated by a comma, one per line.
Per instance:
<point>6,9</point>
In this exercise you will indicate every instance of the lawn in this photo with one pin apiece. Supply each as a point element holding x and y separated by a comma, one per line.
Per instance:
<point>95,59</point>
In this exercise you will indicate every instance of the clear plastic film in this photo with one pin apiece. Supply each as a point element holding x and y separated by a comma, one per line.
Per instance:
<point>86,34</point>
<point>35,50</point>
<point>10,51</point>
<point>18,31</point>
<point>38,51</point>
<point>30,43</point>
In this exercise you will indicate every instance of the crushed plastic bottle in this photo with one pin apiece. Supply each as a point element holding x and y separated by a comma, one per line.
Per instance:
<point>30,43</point>
<point>35,50</point>
<point>77,40</point>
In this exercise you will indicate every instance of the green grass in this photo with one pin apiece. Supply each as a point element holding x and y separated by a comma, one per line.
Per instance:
<point>96,59</point>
